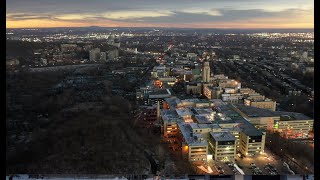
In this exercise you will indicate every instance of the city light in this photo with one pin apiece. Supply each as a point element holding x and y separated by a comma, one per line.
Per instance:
<point>178,90</point>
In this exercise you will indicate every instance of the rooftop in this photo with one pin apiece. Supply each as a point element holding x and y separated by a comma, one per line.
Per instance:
<point>190,138</point>
<point>202,111</point>
<point>244,124</point>
<point>201,119</point>
<point>160,93</point>
<point>249,129</point>
<point>190,100</point>
<point>173,101</point>
<point>184,112</point>
<point>169,115</point>
<point>218,102</point>
<point>291,116</point>
<point>255,112</point>
<point>222,136</point>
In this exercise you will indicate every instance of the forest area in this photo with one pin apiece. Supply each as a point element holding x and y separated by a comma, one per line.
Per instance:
<point>84,129</point>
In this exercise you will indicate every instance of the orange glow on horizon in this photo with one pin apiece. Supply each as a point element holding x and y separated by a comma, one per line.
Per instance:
<point>248,24</point>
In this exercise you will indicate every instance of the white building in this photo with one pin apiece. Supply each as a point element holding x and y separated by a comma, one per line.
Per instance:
<point>103,56</point>
<point>94,54</point>
<point>113,54</point>
<point>206,72</point>
<point>305,55</point>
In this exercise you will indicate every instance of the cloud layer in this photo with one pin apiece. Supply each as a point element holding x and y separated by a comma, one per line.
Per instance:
<point>179,13</point>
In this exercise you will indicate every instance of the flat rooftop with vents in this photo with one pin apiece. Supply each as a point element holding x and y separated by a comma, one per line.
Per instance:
<point>222,136</point>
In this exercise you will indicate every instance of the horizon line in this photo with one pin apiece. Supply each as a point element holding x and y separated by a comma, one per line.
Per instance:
<point>160,27</point>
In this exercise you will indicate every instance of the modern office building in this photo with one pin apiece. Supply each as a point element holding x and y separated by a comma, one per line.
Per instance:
<point>252,140</point>
<point>294,125</point>
<point>222,146</point>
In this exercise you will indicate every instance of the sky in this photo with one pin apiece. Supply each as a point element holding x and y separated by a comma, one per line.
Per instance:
<point>235,14</point>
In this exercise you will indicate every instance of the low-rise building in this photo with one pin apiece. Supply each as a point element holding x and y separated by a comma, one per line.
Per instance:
<point>229,83</point>
<point>194,88</point>
<point>294,125</point>
<point>265,104</point>
<point>231,98</point>
<point>260,118</point>
<point>212,92</point>
<point>160,71</point>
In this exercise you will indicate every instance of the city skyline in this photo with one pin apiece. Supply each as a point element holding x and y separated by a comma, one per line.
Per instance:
<point>246,14</point>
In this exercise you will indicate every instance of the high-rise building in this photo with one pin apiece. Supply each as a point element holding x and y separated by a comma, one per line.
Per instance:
<point>206,72</point>
<point>103,56</point>
<point>94,54</point>
<point>113,54</point>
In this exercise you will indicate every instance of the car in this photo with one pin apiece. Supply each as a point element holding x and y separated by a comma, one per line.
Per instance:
<point>272,173</point>
<point>253,167</point>
<point>230,164</point>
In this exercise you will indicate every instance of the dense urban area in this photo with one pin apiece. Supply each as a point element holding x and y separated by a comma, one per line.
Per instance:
<point>159,101</point>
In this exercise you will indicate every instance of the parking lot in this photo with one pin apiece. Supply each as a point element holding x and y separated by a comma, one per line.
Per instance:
<point>265,164</point>
<point>225,168</point>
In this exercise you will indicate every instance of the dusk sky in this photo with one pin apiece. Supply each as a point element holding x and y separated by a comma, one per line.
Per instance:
<point>161,13</point>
